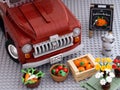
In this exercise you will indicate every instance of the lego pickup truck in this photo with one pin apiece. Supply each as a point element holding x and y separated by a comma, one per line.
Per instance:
<point>39,31</point>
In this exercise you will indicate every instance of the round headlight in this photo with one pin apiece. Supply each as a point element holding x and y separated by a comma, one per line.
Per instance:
<point>26,48</point>
<point>76,32</point>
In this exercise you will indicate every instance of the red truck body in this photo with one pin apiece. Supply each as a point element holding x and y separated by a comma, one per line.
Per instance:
<point>37,30</point>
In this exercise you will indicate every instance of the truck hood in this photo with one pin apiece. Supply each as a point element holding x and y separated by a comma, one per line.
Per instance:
<point>41,18</point>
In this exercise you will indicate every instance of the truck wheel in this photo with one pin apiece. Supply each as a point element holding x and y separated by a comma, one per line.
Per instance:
<point>12,50</point>
<point>2,25</point>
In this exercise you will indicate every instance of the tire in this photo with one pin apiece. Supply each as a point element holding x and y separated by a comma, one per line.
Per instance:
<point>2,25</point>
<point>12,50</point>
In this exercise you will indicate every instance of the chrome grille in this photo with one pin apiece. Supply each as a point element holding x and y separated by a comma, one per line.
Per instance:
<point>51,46</point>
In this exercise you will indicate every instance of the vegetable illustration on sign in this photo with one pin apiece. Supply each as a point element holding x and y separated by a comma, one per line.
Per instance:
<point>101,21</point>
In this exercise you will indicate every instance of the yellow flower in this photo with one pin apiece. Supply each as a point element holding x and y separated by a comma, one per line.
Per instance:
<point>97,60</point>
<point>109,60</point>
<point>104,60</point>
<point>109,66</point>
<point>97,66</point>
<point>103,68</point>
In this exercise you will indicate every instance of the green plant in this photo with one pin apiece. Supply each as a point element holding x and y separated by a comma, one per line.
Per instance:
<point>31,75</point>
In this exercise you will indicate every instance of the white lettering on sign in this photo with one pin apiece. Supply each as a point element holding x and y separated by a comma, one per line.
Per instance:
<point>105,14</point>
<point>101,6</point>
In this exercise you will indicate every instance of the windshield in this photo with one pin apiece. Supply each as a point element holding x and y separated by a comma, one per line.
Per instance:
<point>14,1</point>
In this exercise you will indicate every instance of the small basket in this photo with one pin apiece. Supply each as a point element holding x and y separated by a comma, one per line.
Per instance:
<point>34,85</point>
<point>58,78</point>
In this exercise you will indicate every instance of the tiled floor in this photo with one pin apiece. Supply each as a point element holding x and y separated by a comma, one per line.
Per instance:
<point>10,75</point>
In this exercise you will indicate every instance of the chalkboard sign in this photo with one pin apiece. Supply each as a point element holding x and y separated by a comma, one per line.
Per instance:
<point>101,17</point>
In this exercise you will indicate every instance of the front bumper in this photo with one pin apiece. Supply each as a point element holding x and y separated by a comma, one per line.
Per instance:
<point>38,63</point>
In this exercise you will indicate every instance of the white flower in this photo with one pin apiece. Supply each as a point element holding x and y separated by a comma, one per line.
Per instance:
<point>112,75</point>
<point>101,74</point>
<point>103,81</point>
<point>98,75</point>
<point>108,79</point>
<point>107,70</point>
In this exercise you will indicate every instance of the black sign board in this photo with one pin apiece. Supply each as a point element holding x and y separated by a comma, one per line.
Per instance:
<point>101,17</point>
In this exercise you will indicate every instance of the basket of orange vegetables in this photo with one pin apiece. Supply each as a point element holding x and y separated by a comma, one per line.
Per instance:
<point>31,77</point>
<point>82,67</point>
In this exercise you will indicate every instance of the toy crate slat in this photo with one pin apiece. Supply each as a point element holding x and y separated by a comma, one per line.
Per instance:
<point>72,66</point>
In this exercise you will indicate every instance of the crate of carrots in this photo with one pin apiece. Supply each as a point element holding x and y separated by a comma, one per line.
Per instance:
<point>82,67</point>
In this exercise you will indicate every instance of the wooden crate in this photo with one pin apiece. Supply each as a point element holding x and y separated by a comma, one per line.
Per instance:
<point>85,74</point>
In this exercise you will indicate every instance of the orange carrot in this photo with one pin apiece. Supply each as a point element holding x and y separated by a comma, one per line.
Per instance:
<point>34,79</point>
<point>26,76</point>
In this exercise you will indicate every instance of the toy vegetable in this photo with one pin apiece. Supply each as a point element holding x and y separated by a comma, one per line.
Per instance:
<point>31,77</point>
<point>83,64</point>
<point>59,72</point>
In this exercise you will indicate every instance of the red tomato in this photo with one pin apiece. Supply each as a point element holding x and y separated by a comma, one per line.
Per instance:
<point>114,66</point>
<point>60,67</point>
<point>116,61</point>
<point>56,70</point>
<point>65,70</point>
